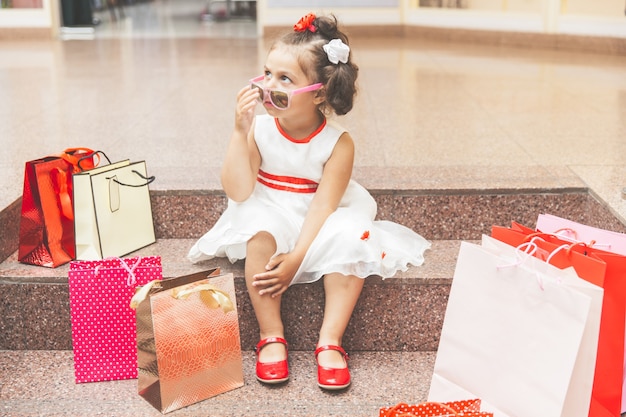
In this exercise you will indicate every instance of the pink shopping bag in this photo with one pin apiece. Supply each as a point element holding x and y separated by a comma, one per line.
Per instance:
<point>103,324</point>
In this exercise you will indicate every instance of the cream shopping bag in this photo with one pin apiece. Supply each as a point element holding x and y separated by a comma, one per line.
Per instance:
<point>112,210</point>
<point>512,335</point>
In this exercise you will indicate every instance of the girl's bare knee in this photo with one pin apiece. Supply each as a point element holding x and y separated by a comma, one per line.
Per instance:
<point>262,242</point>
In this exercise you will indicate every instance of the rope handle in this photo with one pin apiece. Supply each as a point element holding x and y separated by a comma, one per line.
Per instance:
<point>95,154</point>
<point>558,234</point>
<point>568,248</point>
<point>149,180</point>
<point>131,280</point>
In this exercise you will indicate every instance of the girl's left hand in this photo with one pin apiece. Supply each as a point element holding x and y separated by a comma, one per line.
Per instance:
<point>280,272</point>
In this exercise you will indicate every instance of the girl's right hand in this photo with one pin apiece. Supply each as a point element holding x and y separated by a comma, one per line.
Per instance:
<point>246,103</point>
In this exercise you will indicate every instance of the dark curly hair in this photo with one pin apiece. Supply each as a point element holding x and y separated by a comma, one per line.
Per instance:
<point>339,79</point>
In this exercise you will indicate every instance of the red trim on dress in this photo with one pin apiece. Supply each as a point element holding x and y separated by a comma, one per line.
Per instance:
<point>284,178</point>
<point>286,183</point>
<point>305,140</point>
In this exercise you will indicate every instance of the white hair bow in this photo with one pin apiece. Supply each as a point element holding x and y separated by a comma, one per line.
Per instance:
<point>337,51</point>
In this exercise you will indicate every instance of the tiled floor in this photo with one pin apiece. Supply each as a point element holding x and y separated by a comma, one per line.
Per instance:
<point>160,85</point>
<point>46,387</point>
<point>430,116</point>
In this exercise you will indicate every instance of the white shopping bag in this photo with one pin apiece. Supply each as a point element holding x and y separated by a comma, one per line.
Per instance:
<point>513,335</point>
<point>579,393</point>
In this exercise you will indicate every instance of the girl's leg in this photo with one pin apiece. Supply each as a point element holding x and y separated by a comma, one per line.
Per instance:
<point>260,249</point>
<point>342,293</point>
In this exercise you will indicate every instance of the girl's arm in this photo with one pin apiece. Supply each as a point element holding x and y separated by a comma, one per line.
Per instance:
<point>335,179</point>
<point>242,160</point>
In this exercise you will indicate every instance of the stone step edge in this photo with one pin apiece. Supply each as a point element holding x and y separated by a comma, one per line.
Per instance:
<point>438,267</point>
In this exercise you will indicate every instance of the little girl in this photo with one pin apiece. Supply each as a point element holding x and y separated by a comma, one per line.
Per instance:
<point>293,212</point>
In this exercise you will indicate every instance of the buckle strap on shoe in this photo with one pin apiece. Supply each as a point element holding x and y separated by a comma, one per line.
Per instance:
<point>263,342</point>
<point>332,347</point>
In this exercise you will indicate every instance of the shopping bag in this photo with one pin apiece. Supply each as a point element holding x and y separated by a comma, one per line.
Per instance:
<point>466,408</point>
<point>103,324</point>
<point>187,340</point>
<point>607,240</point>
<point>112,210</point>
<point>46,236</point>
<point>581,385</point>
<point>589,263</point>
<point>511,336</point>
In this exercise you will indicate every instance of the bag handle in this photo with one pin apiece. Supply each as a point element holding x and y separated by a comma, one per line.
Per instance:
<point>211,296</point>
<point>560,233</point>
<point>74,156</point>
<point>142,293</point>
<point>131,279</point>
<point>94,154</point>
<point>168,284</point>
<point>149,180</point>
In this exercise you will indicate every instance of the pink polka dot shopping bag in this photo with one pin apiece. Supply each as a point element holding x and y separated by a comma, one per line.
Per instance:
<point>103,324</point>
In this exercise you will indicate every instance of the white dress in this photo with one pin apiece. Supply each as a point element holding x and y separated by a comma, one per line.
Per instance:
<point>349,242</point>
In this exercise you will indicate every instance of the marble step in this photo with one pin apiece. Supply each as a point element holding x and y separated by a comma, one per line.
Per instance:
<point>435,214</point>
<point>42,384</point>
<point>403,313</point>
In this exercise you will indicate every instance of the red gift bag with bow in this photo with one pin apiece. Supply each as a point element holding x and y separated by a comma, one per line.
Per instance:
<point>46,235</point>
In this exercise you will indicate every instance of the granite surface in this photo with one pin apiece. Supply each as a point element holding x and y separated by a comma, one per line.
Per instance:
<point>435,214</point>
<point>36,308</point>
<point>458,137</point>
<point>42,384</point>
<point>36,311</point>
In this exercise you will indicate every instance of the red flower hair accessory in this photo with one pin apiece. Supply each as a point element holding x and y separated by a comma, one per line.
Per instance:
<point>306,23</point>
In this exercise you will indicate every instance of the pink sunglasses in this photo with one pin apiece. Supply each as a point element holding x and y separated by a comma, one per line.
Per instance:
<point>280,99</point>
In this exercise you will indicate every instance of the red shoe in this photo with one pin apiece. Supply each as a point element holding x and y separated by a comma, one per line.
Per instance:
<point>271,372</point>
<point>332,378</point>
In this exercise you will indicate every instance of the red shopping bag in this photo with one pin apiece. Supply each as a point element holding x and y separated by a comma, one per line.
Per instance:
<point>46,235</point>
<point>468,408</point>
<point>588,261</point>
<point>103,324</point>
<point>607,240</point>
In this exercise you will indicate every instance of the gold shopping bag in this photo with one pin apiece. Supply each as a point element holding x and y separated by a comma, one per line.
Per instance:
<point>188,344</point>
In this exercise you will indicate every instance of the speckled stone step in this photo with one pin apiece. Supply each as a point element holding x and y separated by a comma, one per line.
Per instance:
<point>402,314</point>
<point>42,384</point>
<point>435,214</point>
